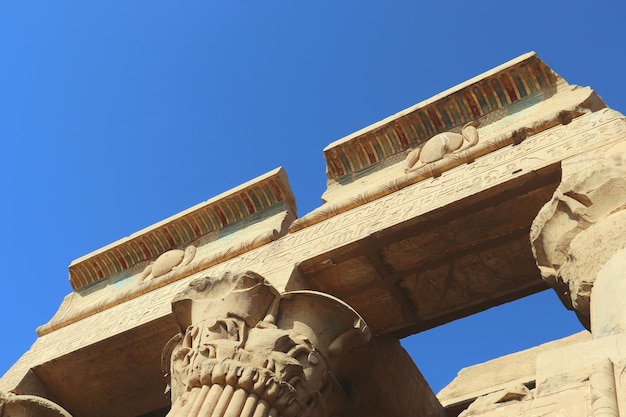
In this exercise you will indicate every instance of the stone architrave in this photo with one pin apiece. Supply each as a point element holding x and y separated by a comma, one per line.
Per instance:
<point>579,240</point>
<point>246,350</point>
<point>29,406</point>
<point>425,220</point>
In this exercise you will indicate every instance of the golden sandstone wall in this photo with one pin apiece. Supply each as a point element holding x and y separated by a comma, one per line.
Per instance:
<point>508,184</point>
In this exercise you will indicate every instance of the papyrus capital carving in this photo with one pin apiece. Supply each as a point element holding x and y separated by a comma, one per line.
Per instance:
<point>29,405</point>
<point>246,350</point>
<point>581,228</point>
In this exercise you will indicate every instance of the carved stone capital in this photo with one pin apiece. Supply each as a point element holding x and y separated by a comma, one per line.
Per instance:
<point>246,350</point>
<point>581,229</point>
<point>29,405</point>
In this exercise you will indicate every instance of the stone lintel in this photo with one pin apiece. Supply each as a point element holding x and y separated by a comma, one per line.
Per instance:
<point>471,213</point>
<point>508,104</point>
<point>231,224</point>
<point>317,248</point>
<point>493,90</point>
<point>406,249</point>
<point>102,358</point>
<point>247,203</point>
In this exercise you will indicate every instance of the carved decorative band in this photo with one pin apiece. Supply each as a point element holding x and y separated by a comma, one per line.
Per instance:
<point>225,211</point>
<point>429,170</point>
<point>133,291</point>
<point>527,77</point>
<point>239,384</point>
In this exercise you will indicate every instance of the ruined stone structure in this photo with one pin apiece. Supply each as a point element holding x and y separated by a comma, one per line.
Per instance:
<point>508,184</point>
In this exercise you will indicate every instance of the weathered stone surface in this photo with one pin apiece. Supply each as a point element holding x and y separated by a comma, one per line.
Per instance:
<point>118,375</point>
<point>581,229</point>
<point>245,348</point>
<point>567,365</point>
<point>29,405</point>
<point>405,250</point>
<point>540,100</point>
<point>441,146</point>
<point>392,385</point>
<point>576,376</point>
<point>572,403</point>
<point>498,374</point>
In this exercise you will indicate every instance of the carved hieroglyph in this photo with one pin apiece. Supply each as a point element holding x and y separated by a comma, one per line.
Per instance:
<point>582,228</point>
<point>245,350</point>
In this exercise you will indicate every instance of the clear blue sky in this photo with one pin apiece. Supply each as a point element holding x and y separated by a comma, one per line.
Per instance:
<point>118,114</point>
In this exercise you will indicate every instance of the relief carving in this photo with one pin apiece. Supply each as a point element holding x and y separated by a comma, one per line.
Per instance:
<point>246,350</point>
<point>581,229</point>
<point>440,146</point>
<point>29,405</point>
<point>169,261</point>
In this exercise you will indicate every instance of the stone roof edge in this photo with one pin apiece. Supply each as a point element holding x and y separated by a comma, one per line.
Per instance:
<point>480,98</point>
<point>276,181</point>
<point>111,292</point>
<point>430,100</point>
<point>585,101</point>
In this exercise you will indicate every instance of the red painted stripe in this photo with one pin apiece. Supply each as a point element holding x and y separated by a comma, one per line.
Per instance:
<point>339,171</point>
<point>246,201</point>
<point>510,91</point>
<point>401,136</point>
<point>371,154</point>
<point>434,119</point>
<point>221,215</point>
<point>472,104</point>
<point>99,272</point>
<point>278,192</point>
<point>195,227</point>
<point>169,238</point>
<point>147,253</point>
<point>121,258</point>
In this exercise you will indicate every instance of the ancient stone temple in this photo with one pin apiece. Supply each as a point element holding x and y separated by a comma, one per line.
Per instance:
<point>508,184</point>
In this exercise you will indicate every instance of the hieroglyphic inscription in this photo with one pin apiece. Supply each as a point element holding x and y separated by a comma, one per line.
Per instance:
<point>583,134</point>
<point>97,327</point>
<point>551,146</point>
<point>117,319</point>
<point>76,306</point>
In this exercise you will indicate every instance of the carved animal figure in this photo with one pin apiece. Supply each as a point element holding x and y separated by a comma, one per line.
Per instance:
<point>441,145</point>
<point>169,261</point>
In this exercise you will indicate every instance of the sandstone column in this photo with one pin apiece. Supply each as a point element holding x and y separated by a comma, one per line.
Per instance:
<point>579,239</point>
<point>245,350</point>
